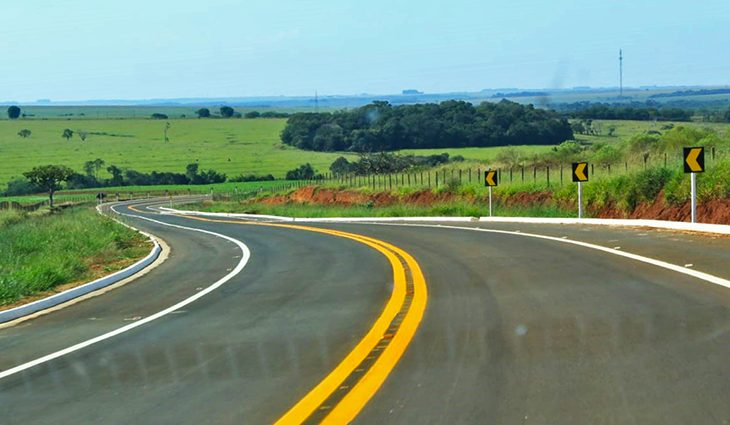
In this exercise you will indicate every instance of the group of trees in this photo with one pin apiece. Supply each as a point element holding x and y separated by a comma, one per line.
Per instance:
<point>229,112</point>
<point>385,162</point>
<point>635,111</point>
<point>382,127</point>
<point>48,178</point>
<point>224,111</point>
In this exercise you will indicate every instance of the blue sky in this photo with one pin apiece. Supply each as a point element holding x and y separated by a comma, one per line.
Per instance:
<point>132,49</point>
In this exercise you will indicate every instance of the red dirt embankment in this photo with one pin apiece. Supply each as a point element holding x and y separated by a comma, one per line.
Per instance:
<point>717,211</point>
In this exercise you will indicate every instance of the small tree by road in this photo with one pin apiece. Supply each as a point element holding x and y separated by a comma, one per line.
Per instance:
<point>49,178</point>
<point>67,134</point>
<point>203,113</point>
<point>13,112</point>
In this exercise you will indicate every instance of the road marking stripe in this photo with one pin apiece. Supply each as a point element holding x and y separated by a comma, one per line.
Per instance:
<point>241,264</point>
<point>659,263</point>
<point>358,396</point>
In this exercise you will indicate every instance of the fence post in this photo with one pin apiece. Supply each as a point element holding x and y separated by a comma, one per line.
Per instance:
<point>534,174</point>
<point>522,170</point>
<point>592,173</point>
<point>547,169</point>
<point>510,174</point>
<point>561,174</point>
<point>429,179</point>
<point>469,175</point>
<point>437,179</point>
<point>459,175</point>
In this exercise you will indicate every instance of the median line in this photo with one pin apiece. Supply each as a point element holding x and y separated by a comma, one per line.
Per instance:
<point>345,391</point>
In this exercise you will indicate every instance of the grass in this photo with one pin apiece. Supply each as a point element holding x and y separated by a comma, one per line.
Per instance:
<point>236,146</point>
<point>40,251</point>
<point>450,209</point>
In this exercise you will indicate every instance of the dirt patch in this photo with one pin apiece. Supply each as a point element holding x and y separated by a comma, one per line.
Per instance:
<point>717,211</point>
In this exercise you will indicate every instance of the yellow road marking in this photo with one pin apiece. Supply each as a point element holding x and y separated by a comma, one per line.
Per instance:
<point>356,399</point>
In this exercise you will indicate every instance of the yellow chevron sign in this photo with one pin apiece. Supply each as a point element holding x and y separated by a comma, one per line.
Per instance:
<point>580,171</point>
<point>694,160</point>
<point>491,178</point>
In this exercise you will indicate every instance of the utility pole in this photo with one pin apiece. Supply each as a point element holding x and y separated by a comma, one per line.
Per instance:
<point>621,72</point>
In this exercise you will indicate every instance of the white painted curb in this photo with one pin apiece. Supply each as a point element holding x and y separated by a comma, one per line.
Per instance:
<point>722,229</point>
<point>62,297</point>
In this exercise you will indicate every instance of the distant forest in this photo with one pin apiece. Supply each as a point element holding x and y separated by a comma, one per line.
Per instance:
<point>381,126</point>
<point>621,111</point>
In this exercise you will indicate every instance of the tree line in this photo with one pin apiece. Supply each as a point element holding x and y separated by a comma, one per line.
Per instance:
<point>635,111</point>
<point>381,126</point>
<point>48,178</point>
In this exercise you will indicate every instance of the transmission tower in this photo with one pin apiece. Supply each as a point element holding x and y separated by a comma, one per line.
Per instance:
<point>621,72</point>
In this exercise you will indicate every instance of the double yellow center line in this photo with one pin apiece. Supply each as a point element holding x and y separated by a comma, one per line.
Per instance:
<point>345,391</point>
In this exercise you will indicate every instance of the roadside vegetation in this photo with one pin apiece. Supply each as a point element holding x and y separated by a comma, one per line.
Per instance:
<point>41,251</point>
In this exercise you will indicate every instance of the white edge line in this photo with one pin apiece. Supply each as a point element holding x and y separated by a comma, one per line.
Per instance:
<point>659,263</point>
<point>723,229</point>
<point>716,228</point>
<point>246,254</point>
<point>87,288</point>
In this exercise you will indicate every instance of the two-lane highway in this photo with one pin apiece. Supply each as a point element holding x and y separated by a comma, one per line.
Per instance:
<point>516,329</point>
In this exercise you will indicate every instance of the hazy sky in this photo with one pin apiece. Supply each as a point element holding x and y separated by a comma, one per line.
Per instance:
<point>130,49</point>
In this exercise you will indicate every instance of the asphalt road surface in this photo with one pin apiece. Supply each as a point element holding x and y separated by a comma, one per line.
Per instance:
<point>516,330</point>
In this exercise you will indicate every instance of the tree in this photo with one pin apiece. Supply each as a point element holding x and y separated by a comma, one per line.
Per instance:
<point>116,172</point>
<point>304,172</point>
<point>158,116</point>
<point>203,113</point>
<point>191,172</point>
<point>89,168</point>
<point>13,112</point>
<point>67,134</point>
<point>82,135</point>
<point>227,111</point>
<point>252,114</point>
<point>49,178</point>
<point>24,133</point>
<point>341,166</point>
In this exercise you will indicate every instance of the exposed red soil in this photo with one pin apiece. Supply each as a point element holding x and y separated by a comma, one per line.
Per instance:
<point>717,211</point>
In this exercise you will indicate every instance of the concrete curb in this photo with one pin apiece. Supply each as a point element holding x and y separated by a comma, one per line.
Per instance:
<point>79,291</point>
<point>722,229</point>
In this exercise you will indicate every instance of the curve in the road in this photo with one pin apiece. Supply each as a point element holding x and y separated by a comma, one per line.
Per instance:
<point>342,394</point>
<point>659,263</point>
<point>246,254</point>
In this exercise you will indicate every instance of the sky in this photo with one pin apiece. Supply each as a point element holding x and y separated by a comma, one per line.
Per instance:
<point>143,49</point>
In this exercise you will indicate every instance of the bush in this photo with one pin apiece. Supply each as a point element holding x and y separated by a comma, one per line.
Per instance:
<point>251,178</point>
<point>303,172</point>
<point>158,116</point>
<point>20,187</point>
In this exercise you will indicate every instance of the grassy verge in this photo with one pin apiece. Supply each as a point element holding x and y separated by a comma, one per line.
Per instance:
<point>441,209</point>
<point>41,251</point>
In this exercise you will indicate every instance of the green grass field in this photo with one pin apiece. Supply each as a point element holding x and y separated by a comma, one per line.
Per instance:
<point>41,251</point>
<point>236,146</point>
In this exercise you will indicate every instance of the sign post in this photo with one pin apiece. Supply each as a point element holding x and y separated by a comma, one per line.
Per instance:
<point>694,162</point>
<point>491,180</point>
<point>580,175</point>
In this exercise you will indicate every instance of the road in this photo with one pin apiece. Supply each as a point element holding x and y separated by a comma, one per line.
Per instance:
<point>516,329</point>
